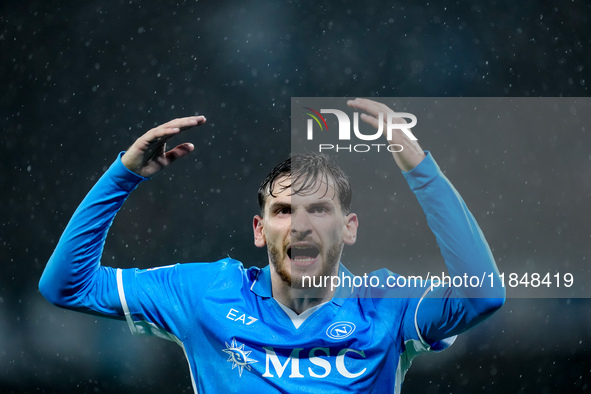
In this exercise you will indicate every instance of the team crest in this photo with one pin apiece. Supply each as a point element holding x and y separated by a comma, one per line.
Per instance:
<point>340,330</point>
<point>238,356</point>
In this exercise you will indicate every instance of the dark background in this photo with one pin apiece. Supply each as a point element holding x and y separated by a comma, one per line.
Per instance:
<point>81,81</point>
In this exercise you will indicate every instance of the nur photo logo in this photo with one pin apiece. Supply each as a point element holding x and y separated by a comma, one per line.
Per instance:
<point>388,123</point>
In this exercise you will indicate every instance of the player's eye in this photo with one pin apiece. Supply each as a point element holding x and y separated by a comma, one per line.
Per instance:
<point>283,211</point>
<point>319,209</point>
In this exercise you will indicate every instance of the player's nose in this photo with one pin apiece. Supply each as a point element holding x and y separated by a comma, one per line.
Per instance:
<point>300,222</point>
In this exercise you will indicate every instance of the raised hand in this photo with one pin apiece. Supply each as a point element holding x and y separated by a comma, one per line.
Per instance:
<point>412,154</point>
<point>148,156</point>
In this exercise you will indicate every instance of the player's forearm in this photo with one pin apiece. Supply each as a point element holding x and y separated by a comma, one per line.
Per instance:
<point>462,244</point>
<point>73,277</point>
<point>451,309</point>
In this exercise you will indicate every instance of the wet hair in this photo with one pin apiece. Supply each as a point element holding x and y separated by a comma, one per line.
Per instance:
<point>310,171</point>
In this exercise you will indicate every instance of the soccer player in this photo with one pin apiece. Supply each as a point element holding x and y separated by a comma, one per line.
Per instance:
<point>266,330</point>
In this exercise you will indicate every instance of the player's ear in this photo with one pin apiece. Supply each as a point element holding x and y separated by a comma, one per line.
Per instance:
<point>259,235</point>
<point>350,231</point>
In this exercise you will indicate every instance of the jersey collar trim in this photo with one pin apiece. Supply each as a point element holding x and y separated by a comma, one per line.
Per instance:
<point>262,283</point>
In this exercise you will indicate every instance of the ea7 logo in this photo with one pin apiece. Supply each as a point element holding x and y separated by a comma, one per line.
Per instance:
<point>236,315</point>
<point>394,120</point>
<point>340,330</point>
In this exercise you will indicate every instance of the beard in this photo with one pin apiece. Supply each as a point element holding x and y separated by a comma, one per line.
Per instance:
<point>329,261</point>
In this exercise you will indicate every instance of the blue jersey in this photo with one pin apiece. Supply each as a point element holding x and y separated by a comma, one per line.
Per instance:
<point>238,338</point>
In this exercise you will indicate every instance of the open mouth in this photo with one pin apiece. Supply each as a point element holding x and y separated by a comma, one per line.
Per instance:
<point>303,253</point>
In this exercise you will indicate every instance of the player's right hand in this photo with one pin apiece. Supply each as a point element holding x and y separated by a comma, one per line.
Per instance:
<point>148,156</point>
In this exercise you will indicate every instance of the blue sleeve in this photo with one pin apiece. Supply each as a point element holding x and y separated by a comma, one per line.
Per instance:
<point>73,277</point>
<point>165,301</point>
<point>447,311</point>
